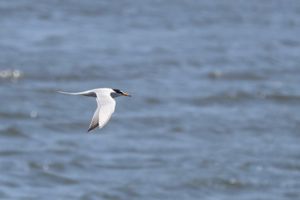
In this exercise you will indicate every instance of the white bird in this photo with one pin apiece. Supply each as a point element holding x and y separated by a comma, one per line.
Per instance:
<point>105,104</point>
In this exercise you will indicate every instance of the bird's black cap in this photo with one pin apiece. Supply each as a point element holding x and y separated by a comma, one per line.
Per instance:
<point>118,91</point>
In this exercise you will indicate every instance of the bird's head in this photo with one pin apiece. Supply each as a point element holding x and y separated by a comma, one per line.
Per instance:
<point>117,92</point>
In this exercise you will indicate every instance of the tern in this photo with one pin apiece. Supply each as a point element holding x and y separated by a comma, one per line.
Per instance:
<point>106,104</point>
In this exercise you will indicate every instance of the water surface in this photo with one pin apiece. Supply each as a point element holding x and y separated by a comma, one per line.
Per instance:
<point>214,113</point>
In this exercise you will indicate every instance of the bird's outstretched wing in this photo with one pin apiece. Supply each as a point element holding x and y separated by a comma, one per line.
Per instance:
<point>105,108</point>
<point>89,93</point>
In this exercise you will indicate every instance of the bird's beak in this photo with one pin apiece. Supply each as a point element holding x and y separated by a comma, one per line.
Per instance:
<point>126,94</point>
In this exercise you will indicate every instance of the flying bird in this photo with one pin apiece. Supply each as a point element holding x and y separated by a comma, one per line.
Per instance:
<point>105,104</point>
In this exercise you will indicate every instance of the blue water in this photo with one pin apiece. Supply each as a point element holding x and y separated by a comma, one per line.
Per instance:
<point>215,112</point>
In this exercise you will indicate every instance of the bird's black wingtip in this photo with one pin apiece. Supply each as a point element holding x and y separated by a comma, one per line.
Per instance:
<point>89,130</point>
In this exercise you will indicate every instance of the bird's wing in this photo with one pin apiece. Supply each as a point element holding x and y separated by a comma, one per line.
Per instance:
<point>106,105</point>
<point>89,93</point>
<point>95,120</point>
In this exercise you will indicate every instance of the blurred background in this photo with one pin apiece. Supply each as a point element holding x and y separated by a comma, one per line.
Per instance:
<point>215,112</point>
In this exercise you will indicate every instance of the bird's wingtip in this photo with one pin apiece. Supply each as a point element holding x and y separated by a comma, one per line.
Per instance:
<point>63,92</point>
<point>90,129</point>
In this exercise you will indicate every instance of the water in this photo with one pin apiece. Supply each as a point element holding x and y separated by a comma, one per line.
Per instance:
<point>214,113</point>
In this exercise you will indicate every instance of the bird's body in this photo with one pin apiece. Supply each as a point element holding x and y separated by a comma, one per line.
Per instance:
<point>105,104</point>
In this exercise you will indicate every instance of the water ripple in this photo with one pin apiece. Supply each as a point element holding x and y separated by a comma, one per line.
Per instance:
<point>13,132</point>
